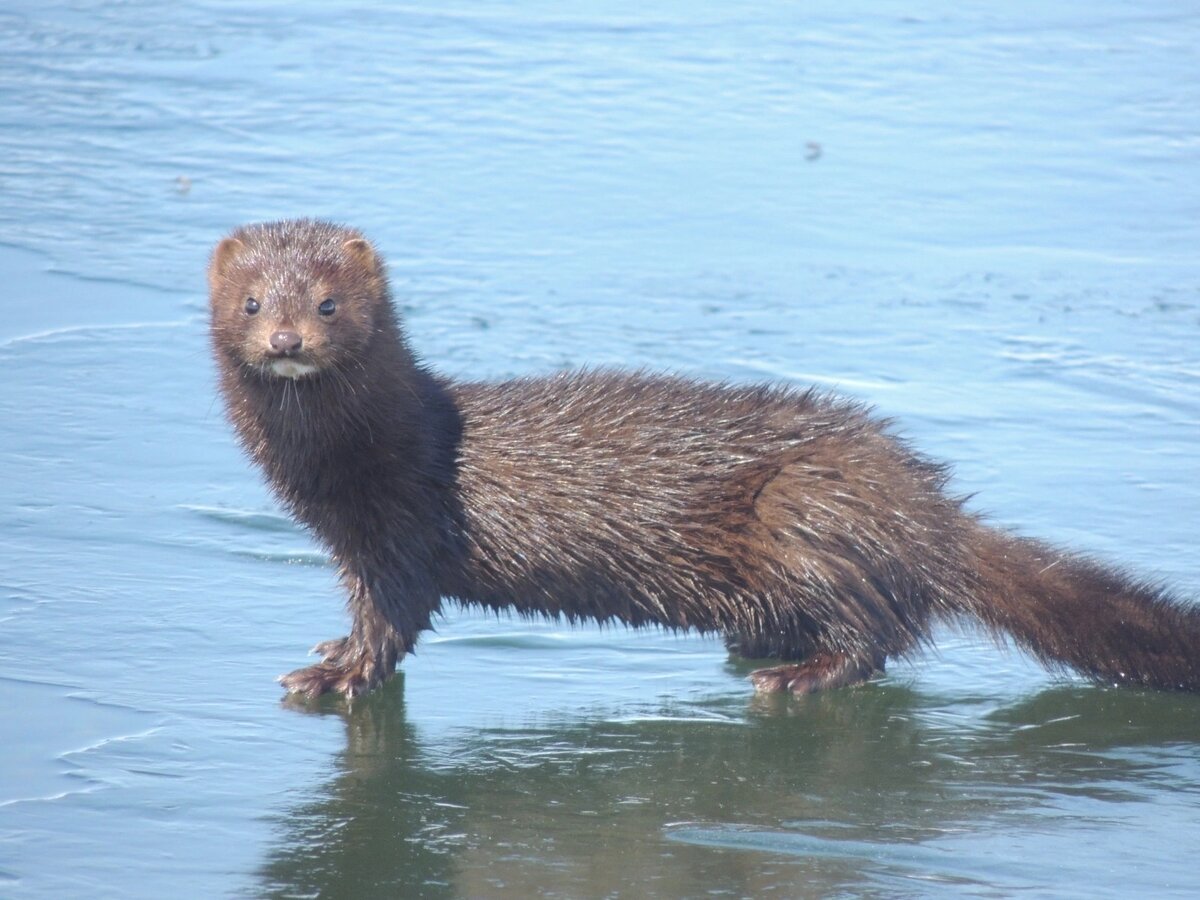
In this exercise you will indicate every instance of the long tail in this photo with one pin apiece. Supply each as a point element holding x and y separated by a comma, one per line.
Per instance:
<point>1069,610</point>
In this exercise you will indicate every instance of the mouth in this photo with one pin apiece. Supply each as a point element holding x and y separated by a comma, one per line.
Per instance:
<point>290,367</point>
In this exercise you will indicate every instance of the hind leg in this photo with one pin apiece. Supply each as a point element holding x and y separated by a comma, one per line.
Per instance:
<point>821,671</point>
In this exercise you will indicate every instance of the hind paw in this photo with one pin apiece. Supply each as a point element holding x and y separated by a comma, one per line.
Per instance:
<point>819,672</point>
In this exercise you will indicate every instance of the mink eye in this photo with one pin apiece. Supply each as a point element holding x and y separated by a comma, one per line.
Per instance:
<point>251,306</point>
<point>327,307</point>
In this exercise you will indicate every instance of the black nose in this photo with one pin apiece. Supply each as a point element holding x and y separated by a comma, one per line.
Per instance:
<point>285,342</point>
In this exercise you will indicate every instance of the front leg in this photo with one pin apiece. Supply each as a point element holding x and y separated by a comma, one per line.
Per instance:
<point>383,630</point>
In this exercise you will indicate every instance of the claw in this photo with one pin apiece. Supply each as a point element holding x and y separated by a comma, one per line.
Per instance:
<point>327,650</point>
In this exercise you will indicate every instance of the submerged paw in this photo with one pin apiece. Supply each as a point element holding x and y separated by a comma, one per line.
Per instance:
<point>818,673</point>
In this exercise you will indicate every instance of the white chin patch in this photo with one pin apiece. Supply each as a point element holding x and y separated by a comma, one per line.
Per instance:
<point>291,368</point>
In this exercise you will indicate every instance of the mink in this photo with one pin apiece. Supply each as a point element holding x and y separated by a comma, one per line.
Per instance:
<point>794,523</point>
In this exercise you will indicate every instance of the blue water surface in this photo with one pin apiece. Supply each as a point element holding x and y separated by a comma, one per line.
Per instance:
<point>982,218</point>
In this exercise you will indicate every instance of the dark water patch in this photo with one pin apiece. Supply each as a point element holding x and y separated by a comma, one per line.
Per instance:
<point>288,557</point>
<point>266,537</point>
<point>510,641</point>
<point>913,861</point>
<point>247,520</point>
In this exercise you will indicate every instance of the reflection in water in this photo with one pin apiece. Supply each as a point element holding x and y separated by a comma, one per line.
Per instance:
<point>865,791</point>
<point>389,825</point>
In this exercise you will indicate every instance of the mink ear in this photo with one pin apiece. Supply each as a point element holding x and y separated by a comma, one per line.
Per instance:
<point>362,253</point>
<point>222,257</point>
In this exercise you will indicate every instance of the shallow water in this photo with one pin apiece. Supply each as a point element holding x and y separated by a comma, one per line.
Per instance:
<point>983,220</point>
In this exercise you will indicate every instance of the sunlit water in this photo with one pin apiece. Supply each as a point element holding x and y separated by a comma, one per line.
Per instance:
<point>983,218</point>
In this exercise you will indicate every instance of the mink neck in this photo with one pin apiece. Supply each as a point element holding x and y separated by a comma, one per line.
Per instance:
<point>382,406</point>
<point>358,453</point>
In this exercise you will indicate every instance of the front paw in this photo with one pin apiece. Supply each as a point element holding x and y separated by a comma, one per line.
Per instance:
<point>352,678</point>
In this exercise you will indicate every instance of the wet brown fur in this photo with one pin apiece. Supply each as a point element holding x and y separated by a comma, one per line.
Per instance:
<point>792,522</point>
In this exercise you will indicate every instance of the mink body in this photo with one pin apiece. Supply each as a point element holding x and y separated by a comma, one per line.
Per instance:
<point>792,522</point>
